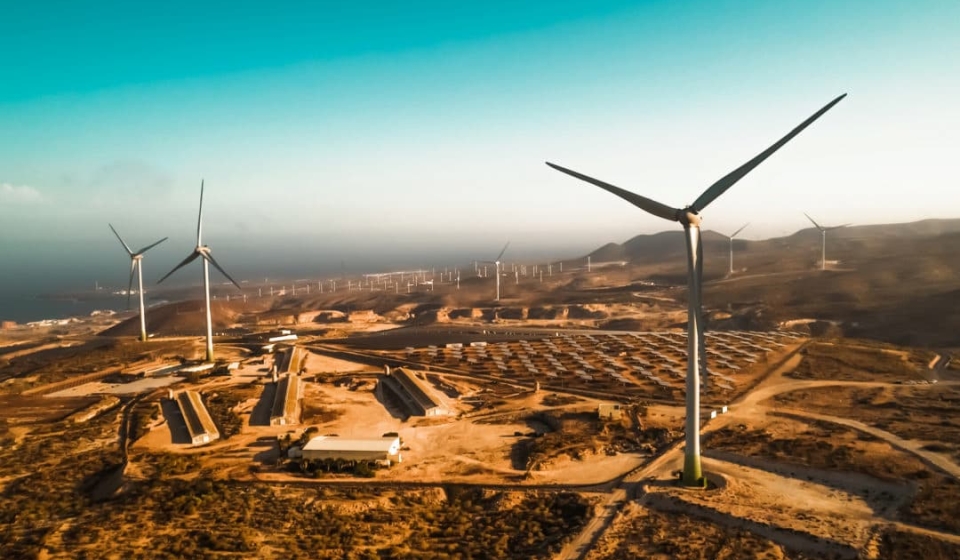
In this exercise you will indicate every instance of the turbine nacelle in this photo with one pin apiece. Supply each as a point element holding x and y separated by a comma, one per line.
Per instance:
<point>688,217</point>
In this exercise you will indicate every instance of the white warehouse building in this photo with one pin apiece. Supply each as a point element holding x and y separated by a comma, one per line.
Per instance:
<point>382,450</point>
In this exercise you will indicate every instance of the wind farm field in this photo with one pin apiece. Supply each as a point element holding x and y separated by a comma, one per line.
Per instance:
<point>533,281</point>
<point>839,438</point>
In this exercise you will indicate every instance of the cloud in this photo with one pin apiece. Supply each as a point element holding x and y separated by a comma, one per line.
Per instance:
<point>13,194</point>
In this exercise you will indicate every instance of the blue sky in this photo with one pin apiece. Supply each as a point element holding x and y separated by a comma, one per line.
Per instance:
<point>327,131</point>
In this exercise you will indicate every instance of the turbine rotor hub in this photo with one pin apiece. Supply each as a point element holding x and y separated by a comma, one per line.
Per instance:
<point>688,217</point>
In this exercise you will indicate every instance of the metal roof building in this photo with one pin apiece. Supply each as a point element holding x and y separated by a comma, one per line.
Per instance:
<point>286,401</point>
<point>382,450</point>
<point>416,393</point>
<point>199,423</point>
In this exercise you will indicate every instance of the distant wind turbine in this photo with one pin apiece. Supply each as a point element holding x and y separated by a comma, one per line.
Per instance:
<point>823,235</point>
<point>498,263</point>
<point>202,251</point>
<point>730,237</point>
<point>136,264</point>
<point>689,218</point>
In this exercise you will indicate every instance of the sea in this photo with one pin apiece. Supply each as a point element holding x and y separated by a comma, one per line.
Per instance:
<point>26,307</point>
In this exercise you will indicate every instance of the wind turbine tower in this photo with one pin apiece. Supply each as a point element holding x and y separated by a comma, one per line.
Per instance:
<point>203,252</point>
<point>823,236</point>
<point>730,237</point>
<point>136,265</point>
<point>497,264</point>
<point>689,218</point>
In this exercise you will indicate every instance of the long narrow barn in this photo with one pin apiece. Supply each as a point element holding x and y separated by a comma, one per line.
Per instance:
<point>200,425</point>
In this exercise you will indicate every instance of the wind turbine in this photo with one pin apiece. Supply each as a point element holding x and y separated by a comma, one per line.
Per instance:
<point>823,235</point>
<point>202,251</point>
<point>689,218</point>
<point>730,237</point>
<point>136,263</point>
<point>497,263</point>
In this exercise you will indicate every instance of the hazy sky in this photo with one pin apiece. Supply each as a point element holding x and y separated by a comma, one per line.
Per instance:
<point>328,130</point>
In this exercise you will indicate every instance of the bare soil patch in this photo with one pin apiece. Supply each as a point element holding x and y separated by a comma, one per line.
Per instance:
<point>640,532</point>
<point>926,413</point>
<point>847,361</point>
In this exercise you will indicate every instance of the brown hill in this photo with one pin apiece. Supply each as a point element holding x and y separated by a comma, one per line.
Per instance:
<point>895,282</point>
<point>184,318</point>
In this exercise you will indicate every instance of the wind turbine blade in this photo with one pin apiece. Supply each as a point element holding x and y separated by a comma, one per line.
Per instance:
<point>643,203</point>
<point>731,178</point>
<point>836,227</point>
<point>129,252</point>
<point>148,247</point>
<point>200,216</point>
<point>133,267</point>
<point>183,263</point>
<point>503,251</point>
<point>813,222</point>
<point>209,257</point>
<point>739,230</point>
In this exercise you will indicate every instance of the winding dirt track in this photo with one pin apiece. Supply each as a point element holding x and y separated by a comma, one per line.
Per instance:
<point>748,408</point>
<point>914,447</point>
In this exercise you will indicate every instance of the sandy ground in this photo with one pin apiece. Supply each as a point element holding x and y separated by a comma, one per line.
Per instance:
<point>319,363</point>
<point>132,388</point>
<point>435,450</point>
<point>839,511</point>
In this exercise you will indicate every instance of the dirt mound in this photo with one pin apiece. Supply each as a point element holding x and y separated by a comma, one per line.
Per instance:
<point>461,313</point>
<point>365,317</point>
<point>625,325</point>
<point>512,313</point>
<point>549,313</point>
<point>587,312</point>
<point>751,318</point>
<point>399,314</point>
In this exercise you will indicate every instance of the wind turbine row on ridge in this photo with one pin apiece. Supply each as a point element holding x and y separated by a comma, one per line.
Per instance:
<point>689,219</point>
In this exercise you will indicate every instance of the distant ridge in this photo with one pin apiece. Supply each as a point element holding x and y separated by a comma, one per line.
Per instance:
<point>666,244</point>
<point>667,247</point>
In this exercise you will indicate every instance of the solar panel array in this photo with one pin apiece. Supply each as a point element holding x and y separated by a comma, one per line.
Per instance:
<point>634,361</point>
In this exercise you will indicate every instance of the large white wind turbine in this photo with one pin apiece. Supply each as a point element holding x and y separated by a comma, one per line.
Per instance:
<point>497,263</point>
<point>204,252</point>
<point>730,237</point>
<point>689,218</point>
<point>136,265</point>
<point>823,235</point>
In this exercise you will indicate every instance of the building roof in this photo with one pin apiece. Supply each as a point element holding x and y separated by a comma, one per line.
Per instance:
<point>417,389</point>
<point>285,399</point>
<point>328,443</point>
<point>195,414</point>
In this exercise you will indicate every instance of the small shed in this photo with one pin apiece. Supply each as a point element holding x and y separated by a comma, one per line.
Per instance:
<point>610,411</point>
